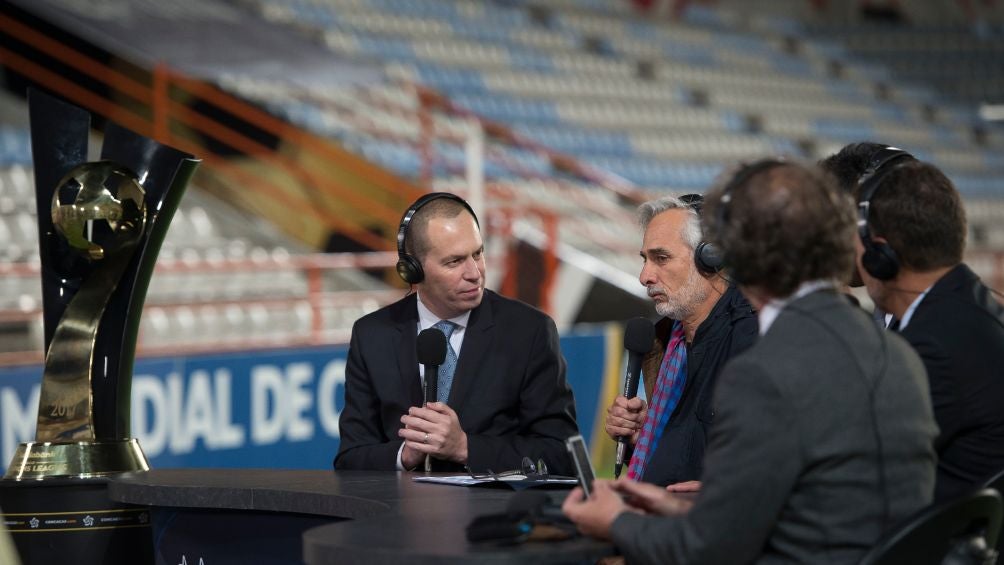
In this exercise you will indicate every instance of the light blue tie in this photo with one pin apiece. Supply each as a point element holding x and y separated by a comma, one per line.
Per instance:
<point>448,366</point>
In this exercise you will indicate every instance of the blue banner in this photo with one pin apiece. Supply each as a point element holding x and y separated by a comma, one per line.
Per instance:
<point>268,409</point>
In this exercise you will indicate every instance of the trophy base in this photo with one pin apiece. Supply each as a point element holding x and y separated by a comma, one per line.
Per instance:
<point>72,520</point>
<point>48,460</point>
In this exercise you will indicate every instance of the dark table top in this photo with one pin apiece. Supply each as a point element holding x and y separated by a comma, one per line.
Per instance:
<point>393,518</point>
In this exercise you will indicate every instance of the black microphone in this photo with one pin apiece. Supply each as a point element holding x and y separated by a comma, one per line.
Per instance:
<point>431,349</point>
<point>639,335</point>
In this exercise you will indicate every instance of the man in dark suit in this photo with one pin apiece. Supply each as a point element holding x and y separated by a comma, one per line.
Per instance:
<point>713,322</point>
<point>910,245</point>
<point>823,432</point>
<point>503,393</point>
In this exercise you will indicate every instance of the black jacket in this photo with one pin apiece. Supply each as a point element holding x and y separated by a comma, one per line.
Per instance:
<point>729,329</point>
<point>958,331</point>
<point>509,390</point>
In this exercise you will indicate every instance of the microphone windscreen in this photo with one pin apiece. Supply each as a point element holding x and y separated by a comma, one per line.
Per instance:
<point>639,335</point>
<point>431,347</point>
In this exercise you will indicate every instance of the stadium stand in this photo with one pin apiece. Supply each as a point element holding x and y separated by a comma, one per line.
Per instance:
<point>580,109</point>
<point>665,105</point>
<point>661,105</point>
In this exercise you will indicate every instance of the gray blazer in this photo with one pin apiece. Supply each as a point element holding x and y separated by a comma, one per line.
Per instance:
<point>822,441</point>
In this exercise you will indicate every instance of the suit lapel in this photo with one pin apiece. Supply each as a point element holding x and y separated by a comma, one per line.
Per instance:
<point>478,338</point>
<point>406,326</point>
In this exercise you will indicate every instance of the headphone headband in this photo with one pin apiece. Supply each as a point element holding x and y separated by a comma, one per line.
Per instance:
<point>880,165</point>
<point>409,268</point>
<point>693,201</point>
<point>706,255</point>
<point>741,177</point>
<point>879,259</point>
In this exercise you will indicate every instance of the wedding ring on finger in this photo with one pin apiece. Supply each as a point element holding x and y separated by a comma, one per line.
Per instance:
<point>426,438</point>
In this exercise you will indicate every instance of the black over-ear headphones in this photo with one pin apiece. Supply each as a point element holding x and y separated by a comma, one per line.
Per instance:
<point>741,177</point>
<point>879,259</point>
<point>409,268</point>
<point>706,254</point>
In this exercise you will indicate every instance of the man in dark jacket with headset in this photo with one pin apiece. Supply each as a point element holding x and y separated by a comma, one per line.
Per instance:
<point>910,260</point>
<point>502,392</point>
<point>706,322</point>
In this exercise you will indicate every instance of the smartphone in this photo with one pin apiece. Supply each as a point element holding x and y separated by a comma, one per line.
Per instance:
<point>583,466</point>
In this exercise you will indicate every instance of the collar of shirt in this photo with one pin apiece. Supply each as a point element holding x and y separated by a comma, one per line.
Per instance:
<point>913,307</point>
<point>772,309</point>
<point>426,319</point>
<point>886,318</point>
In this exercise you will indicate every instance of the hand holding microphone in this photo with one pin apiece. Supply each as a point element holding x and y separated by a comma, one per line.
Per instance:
<point>625,418</point>
<point>431,349</point>
<point>639,336</point>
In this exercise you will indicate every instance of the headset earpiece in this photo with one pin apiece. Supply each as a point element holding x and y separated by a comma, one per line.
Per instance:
<point>879,259</point>
<point>409,268</point>
<point>708,258</point>
<point>706,254</point>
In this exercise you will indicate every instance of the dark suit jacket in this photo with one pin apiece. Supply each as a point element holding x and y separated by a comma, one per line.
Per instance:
<point>729,329</point>
<point>509,389</point>
<point>822,441</point>
<point>958,330</point>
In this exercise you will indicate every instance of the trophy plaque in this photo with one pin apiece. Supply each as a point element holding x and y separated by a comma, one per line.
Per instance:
<point>100,224</point>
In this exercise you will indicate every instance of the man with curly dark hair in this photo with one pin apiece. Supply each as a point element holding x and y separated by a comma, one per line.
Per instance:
<point>823,432</point>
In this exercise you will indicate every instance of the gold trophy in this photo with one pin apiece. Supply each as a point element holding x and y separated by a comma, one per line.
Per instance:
<point>98,248</point>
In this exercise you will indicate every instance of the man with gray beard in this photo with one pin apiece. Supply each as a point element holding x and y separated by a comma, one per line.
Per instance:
<point>823,438</point>
<point>706,322</point>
